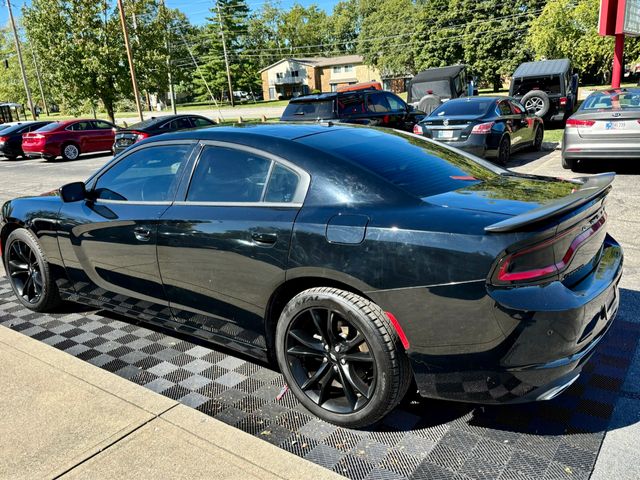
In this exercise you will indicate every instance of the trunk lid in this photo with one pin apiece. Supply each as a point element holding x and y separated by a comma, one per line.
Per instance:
<point>610,125</point>
<point>451,128</point>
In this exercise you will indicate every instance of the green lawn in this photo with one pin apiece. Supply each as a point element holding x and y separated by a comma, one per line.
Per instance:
<point>553,135</point>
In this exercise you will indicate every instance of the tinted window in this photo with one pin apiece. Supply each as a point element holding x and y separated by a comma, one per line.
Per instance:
<point>201,122</point>
<point>49,127</point>
<point>351,104</point>
<point>79,126</point>
<point>504,108</point>
<point>228,175</point>
<point>282,185</point>
<point>15,129</point>
<point>550,85</point>
<point>395,103</point>
<point>442,88</point>
<point>308,110</point>
<point>180,124</point>
<point>418,166</point>
<point>463,107</point>
<point>377,103</point>
<point>100,125</point>
<point>148,175</point>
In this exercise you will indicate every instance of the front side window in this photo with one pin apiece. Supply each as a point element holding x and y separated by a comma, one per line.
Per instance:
<point>201,122</point>
<point>377,103</point>
<point>228,175</point>
<point>147,175</point>
<point>80,126</point>
<point>102,125</point>
<point>395,103</point>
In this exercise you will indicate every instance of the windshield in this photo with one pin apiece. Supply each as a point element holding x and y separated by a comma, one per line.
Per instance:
<point>48,128</point>
<point>308,110</point>
<point>418,166</point>
<point>627,100</point>
<point>441,88</point>
<point>475,107</point>
<point>551,85</point>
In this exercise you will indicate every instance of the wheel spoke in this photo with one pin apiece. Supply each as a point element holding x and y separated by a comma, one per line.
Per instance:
<point>326,386</point>
<point>18,251</point>
<point>311,343</point>
<point>354,342</point>
<point>332,337</point>
<point>361,357</point>
<point>313,379</point>
<point>354,380</point>
<point>347,388</point>
<point>37,283</point>
<point>20,266</point>
<point>26,286</point>
<point>317,321</point>
<point>302,351</point>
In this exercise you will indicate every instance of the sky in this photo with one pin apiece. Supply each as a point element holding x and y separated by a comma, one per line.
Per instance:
<point>196,10</point>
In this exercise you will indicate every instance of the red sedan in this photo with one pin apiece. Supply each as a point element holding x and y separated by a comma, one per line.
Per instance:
<point>69,139</point>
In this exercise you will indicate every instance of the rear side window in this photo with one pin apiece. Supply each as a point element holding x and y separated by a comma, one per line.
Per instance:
<point>309,110</point>
<point>147,175</point>
<point>418,166</point>
<point>351,104</point>
<point>283,184</point>
<point>80,126</point>
<point>228,175</point>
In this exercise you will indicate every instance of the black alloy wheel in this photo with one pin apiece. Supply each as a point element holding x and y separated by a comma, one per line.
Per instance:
<point>331,360</point>
<point>29,272</point>
<point>341,356</point>
<point>24,271</point>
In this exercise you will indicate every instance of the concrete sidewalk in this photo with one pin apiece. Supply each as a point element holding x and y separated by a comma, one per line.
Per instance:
<point>62,417</point>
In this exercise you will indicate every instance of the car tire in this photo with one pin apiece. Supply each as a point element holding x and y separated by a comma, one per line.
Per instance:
<point>504,151</point>
<point>568,163</point>
<point>341,357</point>
<point>538,138</point>
<point>29,272</point>
<point>70,151</point>
<point>538,101</point>
<point>11,158</point>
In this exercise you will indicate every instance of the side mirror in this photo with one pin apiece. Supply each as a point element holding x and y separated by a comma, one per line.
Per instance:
<point>73,192</point>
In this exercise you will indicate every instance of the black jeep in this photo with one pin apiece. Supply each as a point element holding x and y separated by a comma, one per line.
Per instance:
<point>547,88</point>
<point>365,107</point>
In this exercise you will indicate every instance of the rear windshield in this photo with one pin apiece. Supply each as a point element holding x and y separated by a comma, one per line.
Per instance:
<point>441,88</point>
<point>464,107</point>
<point>309,110</point>
<point>412,163</point>
<point>550,85</point>
<point>629,100</point>
<point>49,127</point>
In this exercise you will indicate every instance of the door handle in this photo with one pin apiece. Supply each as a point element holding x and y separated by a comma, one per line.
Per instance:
<point>142,234</point>
<point>264,238</point>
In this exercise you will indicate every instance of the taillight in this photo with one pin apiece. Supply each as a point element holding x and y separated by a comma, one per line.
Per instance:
<point>576,123</point>
<point>141,136</point>
<point>563,101</point>
<point>418,130</point>
<point>4,139</point>
<point>545,259</point>
<point>482,128</point>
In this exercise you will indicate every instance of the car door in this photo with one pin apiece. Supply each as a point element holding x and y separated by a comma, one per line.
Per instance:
<point>104,134</point>
<point>108,241</point>
<point>80,133</point>
<point>223,249</point>
<point>524,123</point>
<point>378,109</point>
<point>400,117</point>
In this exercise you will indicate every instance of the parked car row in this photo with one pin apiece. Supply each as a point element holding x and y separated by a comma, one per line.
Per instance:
<point>71,138</point>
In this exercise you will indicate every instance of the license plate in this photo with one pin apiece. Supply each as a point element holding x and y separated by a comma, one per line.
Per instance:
<point>615,125</point>
<point>445,134</point>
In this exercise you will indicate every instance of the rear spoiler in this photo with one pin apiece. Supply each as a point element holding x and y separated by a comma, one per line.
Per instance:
<point>592,187</point>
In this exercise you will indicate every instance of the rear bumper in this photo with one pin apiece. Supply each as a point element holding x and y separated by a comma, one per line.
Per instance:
<point>615,151</point>
<point>548,334</point>
<point>41,152</point>
<point>474,144</point>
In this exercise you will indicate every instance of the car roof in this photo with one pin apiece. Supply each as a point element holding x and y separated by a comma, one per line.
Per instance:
<point>332,95</point>
<point>614,91</point>
<point>439,73</point>
<point>542,68</point>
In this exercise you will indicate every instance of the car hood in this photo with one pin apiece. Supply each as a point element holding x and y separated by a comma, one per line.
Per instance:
<point>506,194</point>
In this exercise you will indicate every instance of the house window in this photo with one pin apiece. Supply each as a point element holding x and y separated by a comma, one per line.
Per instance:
<point>348,68</point>
<point>337,69</point>
<point>279,75</point>
<point>294,73</point>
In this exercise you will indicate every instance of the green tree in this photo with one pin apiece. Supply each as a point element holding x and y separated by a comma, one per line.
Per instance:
<point>11,86</point>
<point>88,61</point>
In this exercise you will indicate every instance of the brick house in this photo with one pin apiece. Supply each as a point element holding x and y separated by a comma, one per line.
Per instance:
<point>291,77</point>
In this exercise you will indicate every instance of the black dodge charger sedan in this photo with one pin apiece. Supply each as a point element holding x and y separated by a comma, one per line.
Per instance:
<point>360,260</point>
<point>491,127</point>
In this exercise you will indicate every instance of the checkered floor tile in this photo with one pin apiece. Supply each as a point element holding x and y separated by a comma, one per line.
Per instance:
<point>419,440</point>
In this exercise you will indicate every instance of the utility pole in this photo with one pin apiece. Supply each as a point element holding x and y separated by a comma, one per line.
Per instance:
<point>172,94</point>
<point>35,64</point>
<point>24,74</point>
<point>132,69</point>
<point>224,49</point>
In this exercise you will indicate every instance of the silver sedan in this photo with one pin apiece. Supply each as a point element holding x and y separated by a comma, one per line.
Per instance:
<point>607,125</point>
